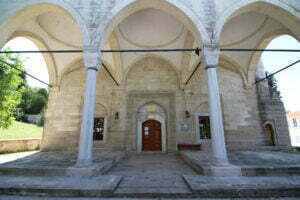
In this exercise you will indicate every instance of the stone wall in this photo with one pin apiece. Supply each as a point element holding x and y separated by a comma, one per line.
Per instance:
<point>11,146</point>
<point>87,25</point>
<point>272,112</point>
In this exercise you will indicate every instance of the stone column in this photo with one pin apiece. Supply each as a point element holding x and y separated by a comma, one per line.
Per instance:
<point>211,59</point>
<point>92,62</point>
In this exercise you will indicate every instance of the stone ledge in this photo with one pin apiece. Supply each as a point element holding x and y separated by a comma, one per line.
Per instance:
<point>225,187</point>
<point>12,146</point>
<point>98,186</point>
<point>210,170</point>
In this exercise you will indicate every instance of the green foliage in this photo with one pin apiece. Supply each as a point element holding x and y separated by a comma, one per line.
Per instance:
<point>10,88</point>
<point>273,84</point>
<point>34,100</point>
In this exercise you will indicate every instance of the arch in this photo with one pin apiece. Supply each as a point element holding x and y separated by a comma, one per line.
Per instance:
<point>264,42</point>
<point>229,64</point>
<point>21,10</point>
<point>73,66</point>
<point>143,115</point>
<point>278,10</point>
<point>270,132</point>
<point>155,56</point>
<point>41,44</point>
<point>202,107</point>
<point>76,65</point>
<point>159,58</point>
<point>126,8</point>
<point>101,109</point>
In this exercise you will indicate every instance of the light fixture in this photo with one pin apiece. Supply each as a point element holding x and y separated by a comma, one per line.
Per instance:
<point>187,114</point>
<point>116,115</point>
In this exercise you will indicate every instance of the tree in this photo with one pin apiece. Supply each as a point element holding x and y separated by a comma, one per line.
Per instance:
<point>273,84</point>
<point>34,100</point>
<point>11,82</point>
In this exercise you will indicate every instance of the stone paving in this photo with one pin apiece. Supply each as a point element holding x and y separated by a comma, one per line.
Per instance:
<point>252,158</point>
<point>50,159</point>
<point>147,175</point>
<point>53,198</point>
<point>152,173</point>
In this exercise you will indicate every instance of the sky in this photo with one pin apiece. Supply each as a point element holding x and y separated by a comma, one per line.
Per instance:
<point>288,80</point>
<point>34,63</point>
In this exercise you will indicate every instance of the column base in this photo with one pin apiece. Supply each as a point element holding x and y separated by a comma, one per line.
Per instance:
<point>220,162</point>
<point>84,163</point>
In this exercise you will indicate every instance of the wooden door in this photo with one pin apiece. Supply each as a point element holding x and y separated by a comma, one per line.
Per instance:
<point>151,138</point>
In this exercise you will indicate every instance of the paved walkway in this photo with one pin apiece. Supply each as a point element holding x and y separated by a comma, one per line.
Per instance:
<point>152,173</point>
<point>52,198</point>
<point>251,158</point>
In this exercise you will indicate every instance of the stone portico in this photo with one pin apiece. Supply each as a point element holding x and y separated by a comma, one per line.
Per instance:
<point>218,107</point>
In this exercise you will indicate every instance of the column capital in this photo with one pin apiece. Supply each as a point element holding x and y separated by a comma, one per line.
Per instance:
<point>211,54</point>
<point>92,58</point>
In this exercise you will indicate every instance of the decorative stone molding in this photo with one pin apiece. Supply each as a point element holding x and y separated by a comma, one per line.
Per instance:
<point>92,58</point>
<point>211,54</point>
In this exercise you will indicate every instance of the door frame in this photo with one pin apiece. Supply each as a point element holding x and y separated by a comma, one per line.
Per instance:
<point>163,133</point>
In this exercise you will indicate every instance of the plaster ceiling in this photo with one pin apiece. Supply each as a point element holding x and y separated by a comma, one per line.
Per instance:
<point>61,27</point>
<point>151,28</point>
<point>245,28</point>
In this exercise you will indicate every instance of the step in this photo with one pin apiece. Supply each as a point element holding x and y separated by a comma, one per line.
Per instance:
<point>245,170</point>
<point>250,187</point>
<point>62,186</point>
<point>107,186</point>
<point>98,168</point>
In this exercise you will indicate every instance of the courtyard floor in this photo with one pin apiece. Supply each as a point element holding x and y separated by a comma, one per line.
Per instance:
<point>156,173</point>
<point>116,174</point>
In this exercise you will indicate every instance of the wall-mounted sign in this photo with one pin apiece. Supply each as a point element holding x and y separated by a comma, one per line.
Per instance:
<point>184,127</point>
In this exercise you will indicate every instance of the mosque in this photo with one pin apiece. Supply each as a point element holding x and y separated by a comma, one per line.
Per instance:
<point>156,101</point>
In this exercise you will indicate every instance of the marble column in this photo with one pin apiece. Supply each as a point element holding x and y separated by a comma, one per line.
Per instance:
<point>85,157</point>
<point>211,58</point>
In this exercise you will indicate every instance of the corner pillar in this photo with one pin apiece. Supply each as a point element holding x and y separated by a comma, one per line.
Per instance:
<point>92,62</point>
<point>211,55</point>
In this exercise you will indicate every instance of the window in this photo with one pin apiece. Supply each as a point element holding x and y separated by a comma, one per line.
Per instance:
<point>98,129</point>
<point>295,122</point>
<point>204,127</point>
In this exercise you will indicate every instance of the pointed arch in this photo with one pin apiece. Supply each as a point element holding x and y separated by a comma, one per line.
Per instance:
<point>156,57</point>
<point>22,11</point>
<point>256,56</point>
<point>229,64</point>
<point>41,44</point>
<point>278,10</point>
<point>178,9</point>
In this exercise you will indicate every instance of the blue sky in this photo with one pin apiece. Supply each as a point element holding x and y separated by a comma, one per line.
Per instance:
<point>34,63</point>
<point>288,81</point>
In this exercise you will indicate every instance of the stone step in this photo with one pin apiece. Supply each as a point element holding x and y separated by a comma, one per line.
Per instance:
<point>250,187</point>
<point>107,186</point>
<point>97,168</point>
<point>245,170</point>
<point>62,186</point>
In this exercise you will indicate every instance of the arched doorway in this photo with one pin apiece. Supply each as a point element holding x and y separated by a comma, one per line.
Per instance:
<point>151,136</point>
<point>151,128</point>
<point>269,131</point>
